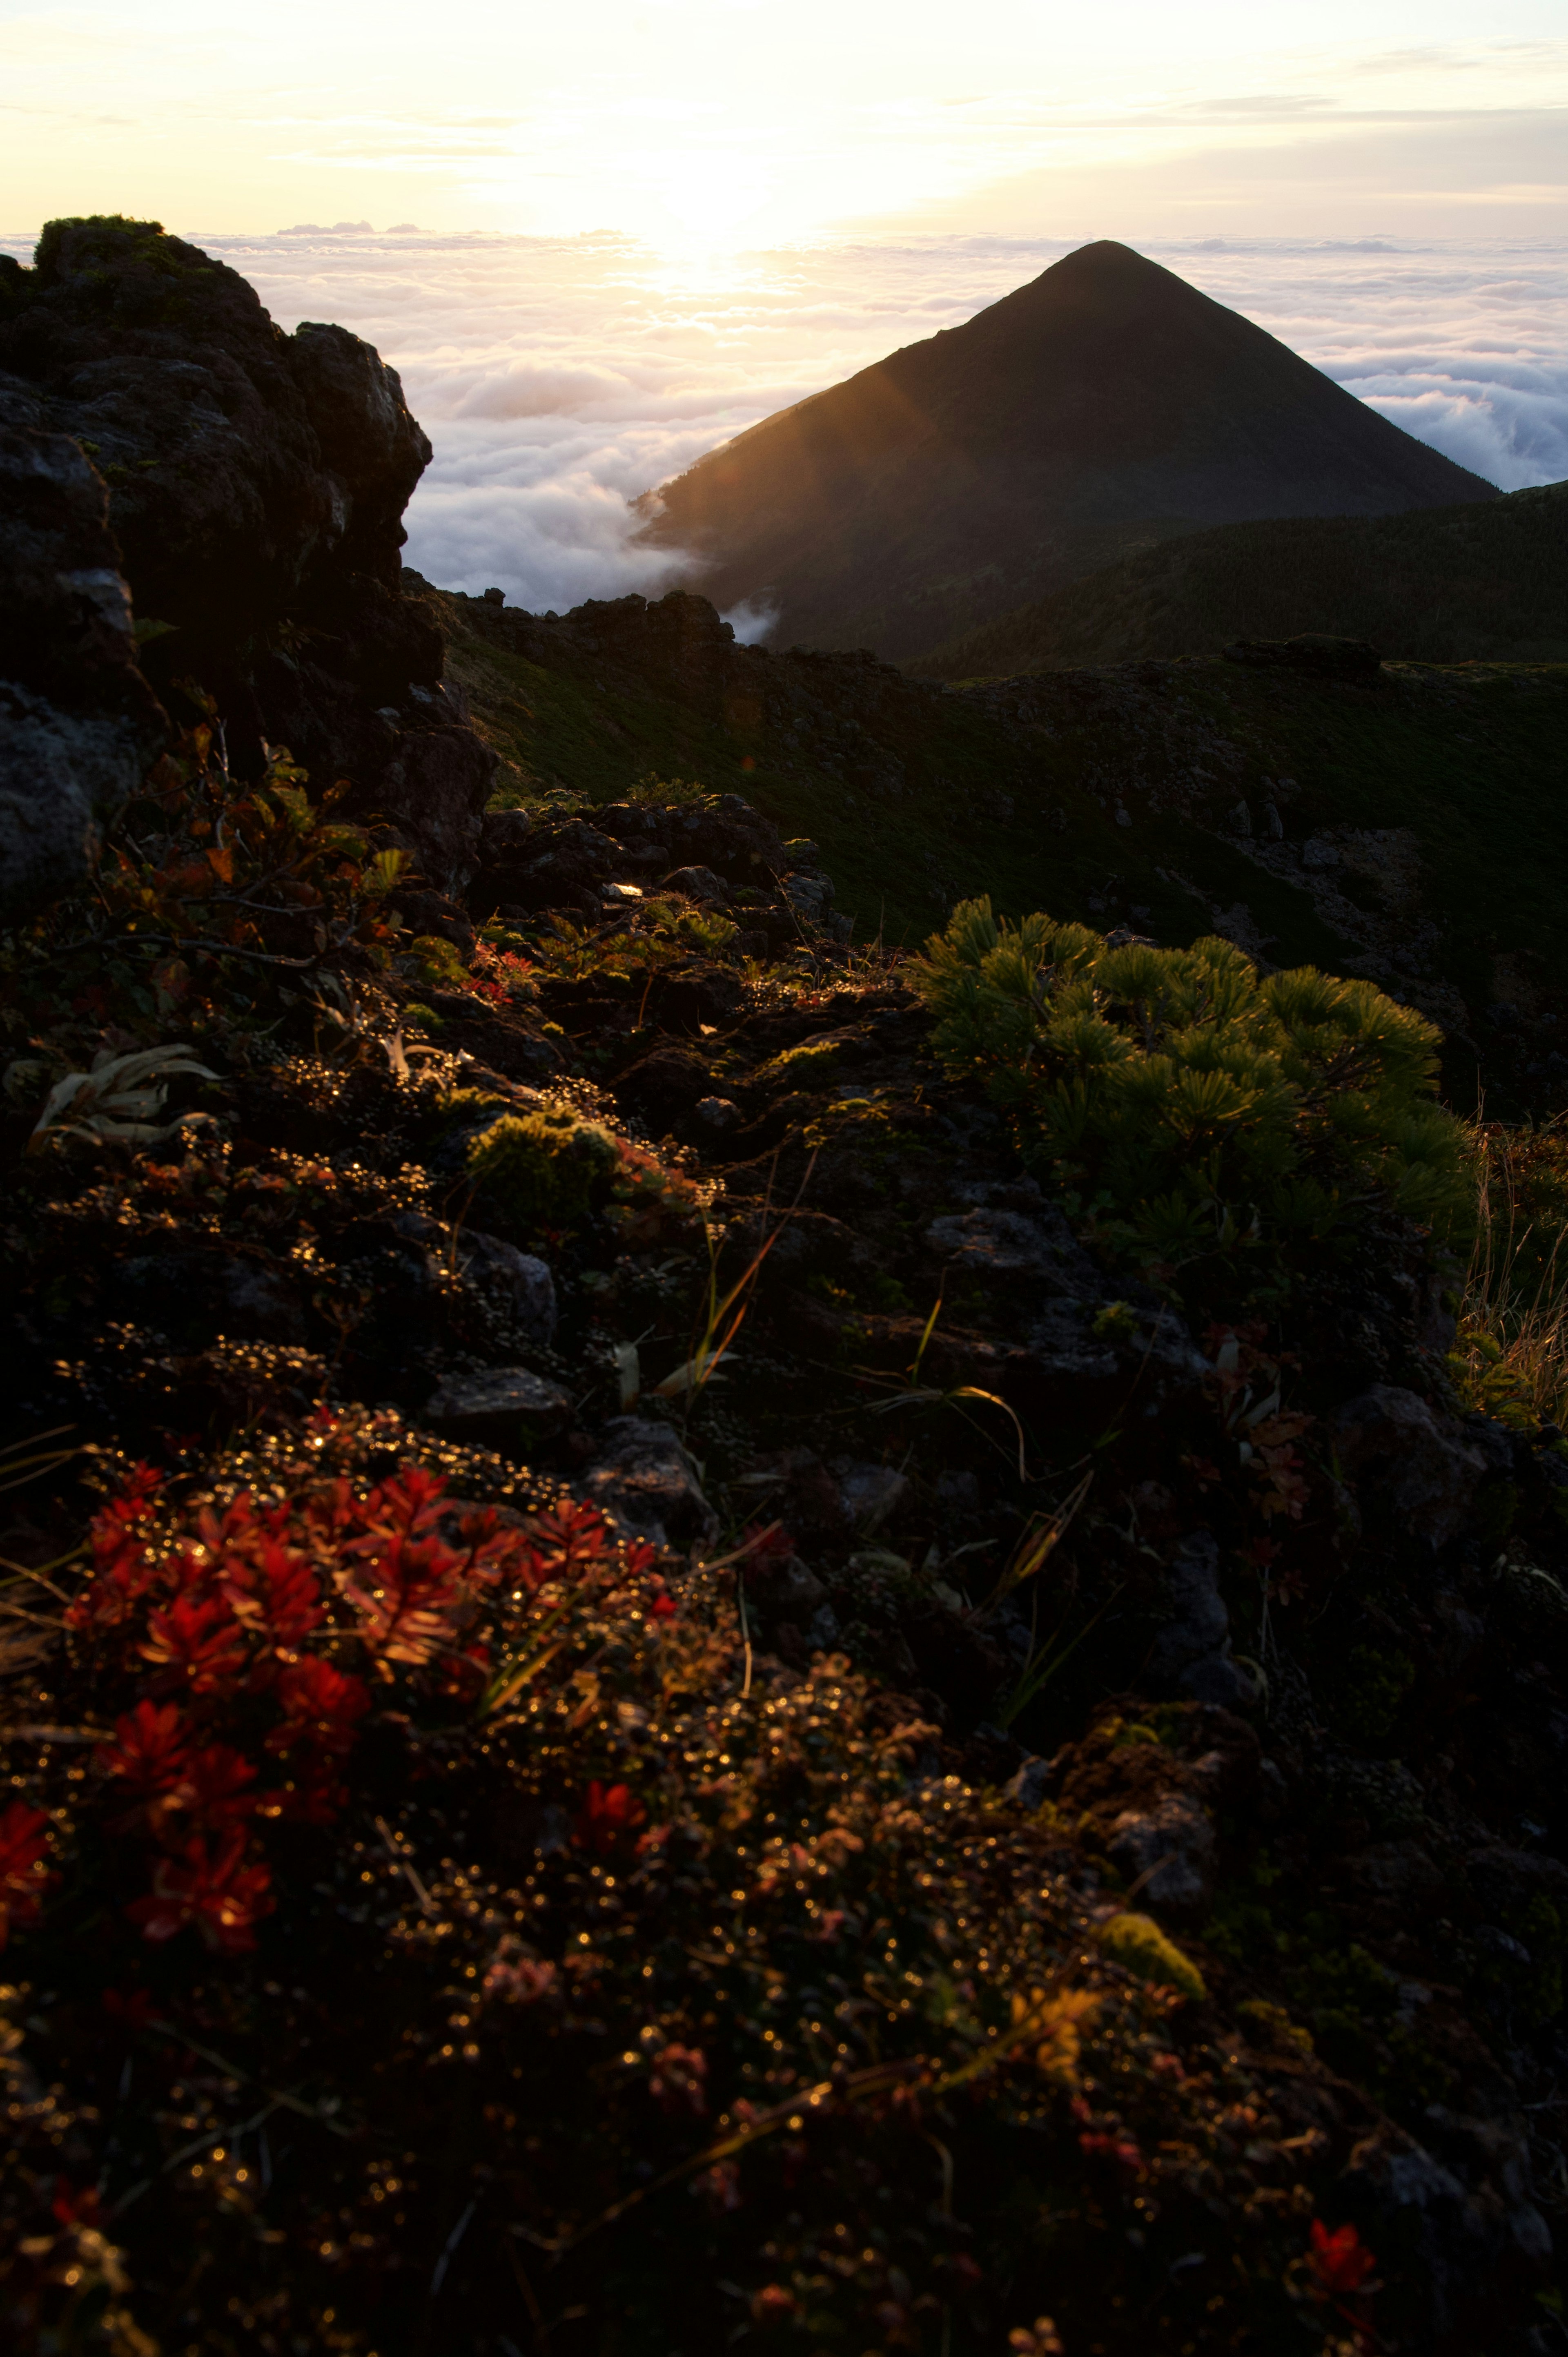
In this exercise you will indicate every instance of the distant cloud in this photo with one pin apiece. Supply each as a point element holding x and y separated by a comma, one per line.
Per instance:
<point>560,377</point>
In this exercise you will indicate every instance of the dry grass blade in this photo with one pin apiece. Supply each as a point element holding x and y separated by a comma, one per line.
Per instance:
<point>1511,1354</point>
<point>1039,1542</point>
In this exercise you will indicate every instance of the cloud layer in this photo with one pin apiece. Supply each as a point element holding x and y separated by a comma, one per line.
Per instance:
<point>560,377</point>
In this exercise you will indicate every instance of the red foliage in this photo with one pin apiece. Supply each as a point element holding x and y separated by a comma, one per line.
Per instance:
<point>222,1895</point>
<point>197,1640</point>
<point>608,1816</point>
<point>73,2208</point>
<point>1340,2262</point>
<point>679,2081</point>
<point>237,1625</point>
<point>25,1875</point>
<point>148,1749</point>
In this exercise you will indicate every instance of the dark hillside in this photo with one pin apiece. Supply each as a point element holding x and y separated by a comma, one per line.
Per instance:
<point>1105,405</point>
<point>1402,824</point>
<point>1485,582</point>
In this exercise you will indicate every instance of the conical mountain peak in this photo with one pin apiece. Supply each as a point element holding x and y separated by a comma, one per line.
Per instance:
<point>1104,405</point>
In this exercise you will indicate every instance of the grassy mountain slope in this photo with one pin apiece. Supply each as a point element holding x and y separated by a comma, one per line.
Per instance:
<point>1487,581</point>
<point>1109,796</point>
<point>1105,405</point>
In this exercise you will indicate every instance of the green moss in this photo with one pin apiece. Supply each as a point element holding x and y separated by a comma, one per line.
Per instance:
<point>1139,1946</point>
<point>543,1168</point>
<point>1273,2025</point>
<point>813,1061</point>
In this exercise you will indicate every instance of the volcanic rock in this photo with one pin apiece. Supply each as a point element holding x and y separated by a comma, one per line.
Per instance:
<point>256,486</point>
<point>78,721</point>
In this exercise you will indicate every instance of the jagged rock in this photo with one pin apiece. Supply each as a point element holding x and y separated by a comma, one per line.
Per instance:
<point>1010,1244</point>
<point>1191,1655</point>
<point>258,482</point>
<point>524,1282</point>
<point>1168,1849</point>
<point>1420,1465</point>
<point>648,1482</point>
<point>870,1493</point>
<point>696,884</point>
<point>78,722</point>
<point>493,1407</point>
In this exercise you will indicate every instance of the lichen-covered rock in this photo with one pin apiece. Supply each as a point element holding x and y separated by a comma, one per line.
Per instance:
<point>78,721</point>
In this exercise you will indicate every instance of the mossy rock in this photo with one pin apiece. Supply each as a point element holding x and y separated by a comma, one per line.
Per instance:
<point>544,1168</point>
<point>1137,1943</point>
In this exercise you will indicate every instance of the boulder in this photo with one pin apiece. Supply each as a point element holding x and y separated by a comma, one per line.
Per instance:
<point>492,1407</point>
<point>649,1483</point>
<point>1420,1467</point>
<point>521,1281</point>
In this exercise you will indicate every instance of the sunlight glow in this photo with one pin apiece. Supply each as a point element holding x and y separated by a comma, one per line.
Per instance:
<point>702,126</point>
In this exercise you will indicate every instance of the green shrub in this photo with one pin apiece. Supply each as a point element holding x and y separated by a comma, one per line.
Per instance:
<point>1211,1108</point>
<point>1139,1946</point>
<point>543,1168</point>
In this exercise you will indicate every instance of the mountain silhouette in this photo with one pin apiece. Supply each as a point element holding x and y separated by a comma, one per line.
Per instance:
<point>1103,408</point>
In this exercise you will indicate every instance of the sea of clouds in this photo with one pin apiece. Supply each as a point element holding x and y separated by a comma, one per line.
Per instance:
<point>560,377</point>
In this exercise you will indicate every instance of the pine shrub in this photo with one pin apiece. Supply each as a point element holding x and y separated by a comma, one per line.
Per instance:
<point>1199,1106</point>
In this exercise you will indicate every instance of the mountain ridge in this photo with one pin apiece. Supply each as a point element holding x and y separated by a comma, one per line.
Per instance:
<point>1487,582</point>
<point>1105,403</point>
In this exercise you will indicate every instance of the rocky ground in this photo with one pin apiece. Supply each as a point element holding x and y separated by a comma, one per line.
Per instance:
<point>652,1702</point>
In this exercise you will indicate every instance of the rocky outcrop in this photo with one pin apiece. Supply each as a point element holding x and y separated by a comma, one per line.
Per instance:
<point>256,484</point>
<point>78,721</point>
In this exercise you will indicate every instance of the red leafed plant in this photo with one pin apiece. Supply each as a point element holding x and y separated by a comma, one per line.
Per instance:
<point>1340,2270</point>
<point>248,1644</point>
<point>25,1872</point>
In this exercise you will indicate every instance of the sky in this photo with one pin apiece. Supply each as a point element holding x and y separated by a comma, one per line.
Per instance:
<point>598,240</point>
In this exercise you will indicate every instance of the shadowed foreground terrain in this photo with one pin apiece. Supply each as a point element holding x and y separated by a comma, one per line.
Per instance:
<point>717,1638</point>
